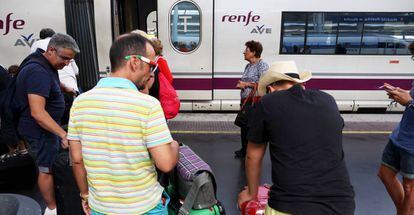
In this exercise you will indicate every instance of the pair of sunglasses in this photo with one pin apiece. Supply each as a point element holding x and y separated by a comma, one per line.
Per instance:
<point>153,65</point>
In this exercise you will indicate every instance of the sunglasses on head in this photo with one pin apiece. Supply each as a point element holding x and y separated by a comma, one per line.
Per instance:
<point>153,65</point>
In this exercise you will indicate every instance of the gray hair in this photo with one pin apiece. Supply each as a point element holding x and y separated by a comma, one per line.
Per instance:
<point>63,41</point>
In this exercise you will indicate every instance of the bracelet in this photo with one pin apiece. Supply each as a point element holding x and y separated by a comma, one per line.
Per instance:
<point>84,197</point>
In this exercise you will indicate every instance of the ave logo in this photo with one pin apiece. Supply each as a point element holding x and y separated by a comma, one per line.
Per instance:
<point>25,40</point>
<point>261,29</point>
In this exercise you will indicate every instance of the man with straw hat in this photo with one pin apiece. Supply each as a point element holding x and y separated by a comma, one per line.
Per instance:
<point>304,131</point>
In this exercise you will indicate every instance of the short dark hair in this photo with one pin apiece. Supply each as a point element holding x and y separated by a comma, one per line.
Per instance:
<point>13,69</point>
<point>411,48</point>
<point>46,32</point>
<point>124,45</point>
<point>255,46</point>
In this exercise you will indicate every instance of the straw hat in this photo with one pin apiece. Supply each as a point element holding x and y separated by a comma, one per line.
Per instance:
<point>279,71</point>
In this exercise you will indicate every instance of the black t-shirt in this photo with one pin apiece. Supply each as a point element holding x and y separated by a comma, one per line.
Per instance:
<point>304,131</point>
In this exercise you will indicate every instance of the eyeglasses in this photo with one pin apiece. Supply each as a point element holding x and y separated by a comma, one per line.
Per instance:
<point>153,65</point>
<point>412,57</point>
<point>63,58</point>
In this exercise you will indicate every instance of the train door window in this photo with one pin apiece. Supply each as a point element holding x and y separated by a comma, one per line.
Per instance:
<point>185,26</point>
<point>384,33</point>
<point>321,33</point>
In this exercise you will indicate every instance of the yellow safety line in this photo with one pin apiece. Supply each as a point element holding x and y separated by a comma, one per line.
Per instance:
<point>238,132</point>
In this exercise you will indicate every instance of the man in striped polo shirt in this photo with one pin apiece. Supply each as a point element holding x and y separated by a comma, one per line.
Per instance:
<point>118,136</point>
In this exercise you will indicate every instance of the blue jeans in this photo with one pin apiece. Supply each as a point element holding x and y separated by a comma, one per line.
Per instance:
<point>159,209</point>
<point>44,150</point>
<point>399,160</point>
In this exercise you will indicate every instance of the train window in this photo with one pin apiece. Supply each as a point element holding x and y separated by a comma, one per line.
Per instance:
<point>294,27</point>
<point>185,25</point>
<point>321,33</point>
<point>349,34</point>
<point>346,33</point>
<point>388,30</point>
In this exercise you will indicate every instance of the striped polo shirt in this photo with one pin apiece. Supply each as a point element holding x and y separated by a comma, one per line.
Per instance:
<point>116,124</point>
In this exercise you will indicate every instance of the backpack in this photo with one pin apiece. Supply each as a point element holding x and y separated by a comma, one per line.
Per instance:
<point>192,186</point>
<point>169,100</point>
<point>9,113</point>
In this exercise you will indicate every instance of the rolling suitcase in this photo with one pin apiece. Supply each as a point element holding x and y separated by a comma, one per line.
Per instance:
<point>66,190</point>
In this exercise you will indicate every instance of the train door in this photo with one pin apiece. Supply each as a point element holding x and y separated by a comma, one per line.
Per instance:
<point>129,15</point>
<point>185,28</point>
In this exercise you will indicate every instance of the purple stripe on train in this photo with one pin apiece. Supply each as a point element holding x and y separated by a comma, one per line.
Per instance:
<point>316,83</point>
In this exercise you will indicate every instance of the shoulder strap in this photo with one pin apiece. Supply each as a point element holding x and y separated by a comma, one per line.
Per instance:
<point>250,96</point>
<point>199,181</point>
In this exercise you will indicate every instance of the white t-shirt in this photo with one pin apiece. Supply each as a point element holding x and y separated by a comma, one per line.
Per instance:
<point>42,44</point>
<point>68,74</point>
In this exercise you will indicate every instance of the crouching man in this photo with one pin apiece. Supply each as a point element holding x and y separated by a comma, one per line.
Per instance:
<point>304,132</point>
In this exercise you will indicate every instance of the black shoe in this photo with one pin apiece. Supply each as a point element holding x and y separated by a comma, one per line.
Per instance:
<point>239,154</point>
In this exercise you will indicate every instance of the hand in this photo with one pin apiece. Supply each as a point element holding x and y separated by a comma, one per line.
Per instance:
<point>64,142</point>
<point>241,84</point>
<point>387,87</point>
<point>401,96</point>
<point>86,208</point>
<point>244,196</point>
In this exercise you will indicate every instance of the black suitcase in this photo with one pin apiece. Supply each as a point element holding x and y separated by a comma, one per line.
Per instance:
<point>17,172</point>
<point>66,190</point>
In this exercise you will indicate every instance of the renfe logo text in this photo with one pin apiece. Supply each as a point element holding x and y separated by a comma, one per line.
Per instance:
<point>8,23</point>
<point>241,18</point>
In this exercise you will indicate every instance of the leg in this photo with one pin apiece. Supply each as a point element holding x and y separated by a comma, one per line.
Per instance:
<point>394,187</point>
<point>391,165</point>
<point>46,187</point>
<point>408,205</point>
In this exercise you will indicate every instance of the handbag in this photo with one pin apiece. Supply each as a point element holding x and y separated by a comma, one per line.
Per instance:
<point>246,109</point>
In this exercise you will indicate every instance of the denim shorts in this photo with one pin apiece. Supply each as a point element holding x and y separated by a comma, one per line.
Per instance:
<point>399,160</point>
<point>44,150</point>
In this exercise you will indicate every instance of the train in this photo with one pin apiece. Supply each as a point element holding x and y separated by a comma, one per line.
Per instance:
<point>351,47</point>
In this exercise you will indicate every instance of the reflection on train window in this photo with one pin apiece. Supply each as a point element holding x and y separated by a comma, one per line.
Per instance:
<point>185,26</point>
<point>346,33</point>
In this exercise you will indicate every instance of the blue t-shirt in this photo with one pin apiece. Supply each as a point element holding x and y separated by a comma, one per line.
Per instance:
<point>37,76</point>
<point>403,134</point>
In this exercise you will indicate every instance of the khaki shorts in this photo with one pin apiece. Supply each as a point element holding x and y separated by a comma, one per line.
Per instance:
<point>271,211</point>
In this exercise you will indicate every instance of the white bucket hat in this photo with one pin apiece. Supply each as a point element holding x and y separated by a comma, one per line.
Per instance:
<point>282,70</point>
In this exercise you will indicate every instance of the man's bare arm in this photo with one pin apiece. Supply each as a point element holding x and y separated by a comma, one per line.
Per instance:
<point>165,156</point>
<point>37,110</point>
<point>78,167</point>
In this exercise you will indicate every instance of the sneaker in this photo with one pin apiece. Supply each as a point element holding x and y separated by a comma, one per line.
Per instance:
<point>50,211</point>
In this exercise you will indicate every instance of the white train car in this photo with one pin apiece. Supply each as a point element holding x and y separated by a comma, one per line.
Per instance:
<point>350,47</point>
